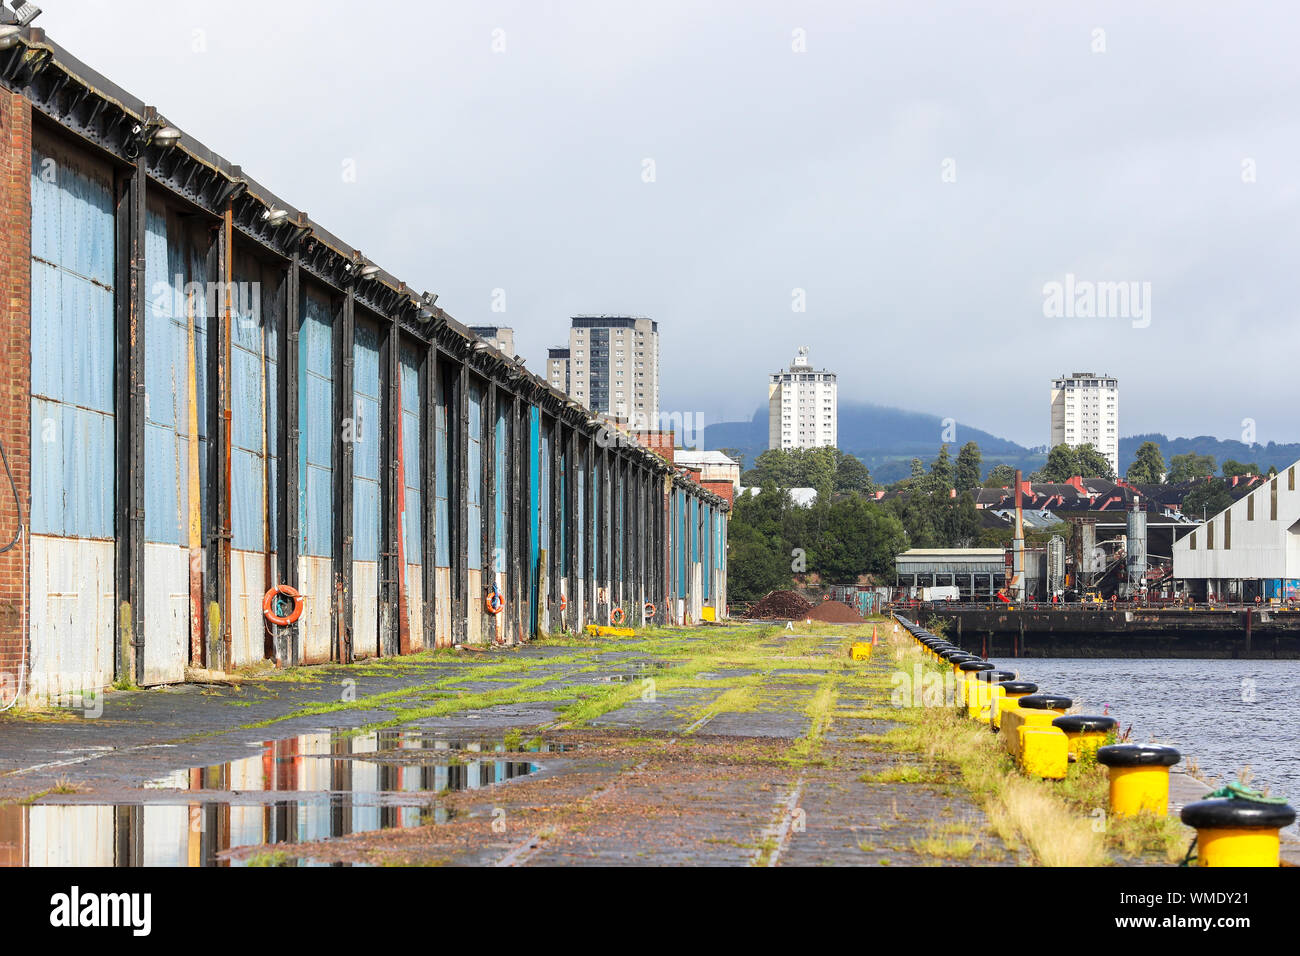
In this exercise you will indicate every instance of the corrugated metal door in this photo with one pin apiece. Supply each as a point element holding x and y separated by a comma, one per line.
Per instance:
<point>254,466</point>
<point>412,401</point>
<point>316,474</point>
<point>534,493</point>
<point>175,368</point>
<point>443,458</point>
<point>73,475</point>
<point>365,491</point>
<point>474,513</point>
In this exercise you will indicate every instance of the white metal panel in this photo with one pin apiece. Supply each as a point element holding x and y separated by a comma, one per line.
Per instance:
<point>442,609</point>
<point>70,836</point>
<point>314,626</point>
<point>248,585</point>
<point>72,615</point>
<point>365,608</point>
<point>415,604</point>
<point>474,608</point>
<point>166,613</point>
<point>165,835</point>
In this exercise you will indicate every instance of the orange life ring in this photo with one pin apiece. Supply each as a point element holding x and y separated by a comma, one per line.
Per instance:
<point>616,616</point>
<point>493,602</point>
<point>649,610</point>
<point>268,603</point>
<point>564,603</point>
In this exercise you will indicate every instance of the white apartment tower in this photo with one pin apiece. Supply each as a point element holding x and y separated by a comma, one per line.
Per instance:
<point>802,406</point>
<point>613,367</point>
<point>1085,410</point>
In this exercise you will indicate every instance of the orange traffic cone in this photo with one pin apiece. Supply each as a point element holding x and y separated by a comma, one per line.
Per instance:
<point>874,642</point>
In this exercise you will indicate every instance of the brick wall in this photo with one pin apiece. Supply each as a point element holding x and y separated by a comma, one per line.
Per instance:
<point>15,367</point>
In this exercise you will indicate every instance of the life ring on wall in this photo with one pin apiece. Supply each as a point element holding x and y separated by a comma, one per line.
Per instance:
<point>616,616</point>
<point>649,610</point>
<point>493,602</point>
<point>564,602</point>
<point>274,599</point>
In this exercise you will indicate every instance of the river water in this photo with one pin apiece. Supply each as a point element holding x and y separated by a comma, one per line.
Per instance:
<point>1223,714</point>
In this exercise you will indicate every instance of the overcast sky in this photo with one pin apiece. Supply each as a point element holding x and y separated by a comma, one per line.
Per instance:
<point>921,170</point>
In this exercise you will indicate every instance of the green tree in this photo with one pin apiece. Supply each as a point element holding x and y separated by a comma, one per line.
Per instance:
<point>1189,466</point>
<point>941,469</point>
<point>1066,461</point>
<point>969,465</point>
<point>851,476</point>
<point>1000,476</point>
<point>1148,465</point>
<point>1233,467</point>
<point>826,469</point>
<point>1207,499</point>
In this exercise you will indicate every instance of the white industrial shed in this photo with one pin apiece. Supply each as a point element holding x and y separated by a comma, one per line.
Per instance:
<point>1250,549</point>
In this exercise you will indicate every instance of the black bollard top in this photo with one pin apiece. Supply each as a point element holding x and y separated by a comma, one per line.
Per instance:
<point>1045,702</point>
<point>1231,812</point>
<point>955,656</point>
<point>1018,687</point>
<point>1083,723</point>
<point>1137,755</point>
<point>977,665</point>
<point>996,677</point>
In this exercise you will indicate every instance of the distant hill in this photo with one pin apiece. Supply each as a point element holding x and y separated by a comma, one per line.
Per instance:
<point>1273,453</point>
<point>886,439</point>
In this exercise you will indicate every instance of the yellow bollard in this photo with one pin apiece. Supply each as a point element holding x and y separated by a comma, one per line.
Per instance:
<point>1006,694</point>
<point>966,672</point>
<point>1139,777</point>
<point>979,704</point>
<point>1085,733</point>
<point>1237,832</point>
<point>1029,710</point>
<point>1044,752</point>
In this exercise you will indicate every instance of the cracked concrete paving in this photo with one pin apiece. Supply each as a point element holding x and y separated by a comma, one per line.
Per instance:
<point>736,747</point>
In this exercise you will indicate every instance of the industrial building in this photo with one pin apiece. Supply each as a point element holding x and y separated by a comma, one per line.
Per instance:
<point>208,395</point>
<point>1249,551</point>
<point>1085,410</point>
<point>977,573</point>
<point>802,406</point>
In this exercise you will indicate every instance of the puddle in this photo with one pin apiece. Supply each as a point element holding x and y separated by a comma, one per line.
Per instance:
<point>342,784</point>
<point>634,671</point>
<point>395,760</point>
<point>193,834</point>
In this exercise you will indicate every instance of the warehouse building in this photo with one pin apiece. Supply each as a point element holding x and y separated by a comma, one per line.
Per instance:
<point>1250,550</point>
<point>208,395</point>
<point>977,573</point>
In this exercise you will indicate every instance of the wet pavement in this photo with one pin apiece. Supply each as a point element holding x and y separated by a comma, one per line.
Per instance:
<point>742,745</point>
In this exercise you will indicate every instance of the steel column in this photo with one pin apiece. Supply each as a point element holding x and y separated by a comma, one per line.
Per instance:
<point>130,402</point>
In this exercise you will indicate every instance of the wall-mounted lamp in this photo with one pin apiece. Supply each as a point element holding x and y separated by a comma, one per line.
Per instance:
<point>9,35</point>
<point>275,217</point>
<point>164,136</point>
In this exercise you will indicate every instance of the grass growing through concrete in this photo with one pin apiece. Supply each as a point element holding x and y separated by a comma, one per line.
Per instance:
<point>1060,823</point>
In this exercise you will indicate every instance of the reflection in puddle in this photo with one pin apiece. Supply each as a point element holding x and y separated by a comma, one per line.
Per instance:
<point>187,834</point>
<point>386,761</point>
<point>342,784</point>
